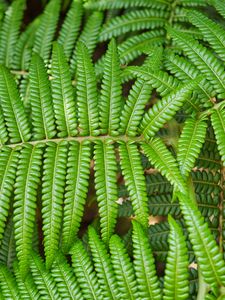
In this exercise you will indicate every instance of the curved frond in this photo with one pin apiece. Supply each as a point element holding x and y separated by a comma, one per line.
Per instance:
<point>218,122</point>
<point>133,174</point>
<point>176,273</point>
<point>63,94</point>
<point>220,6</point>
<point>77,181</point>
<point>8,284</point>
<point>144,266</point>
<point>106,187</point>
<point>123,269</point>
<point>85,273</point>
<point>54,177</point>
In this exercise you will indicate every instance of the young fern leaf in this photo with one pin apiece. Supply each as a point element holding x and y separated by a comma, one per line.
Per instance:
<point>165,109</point>
<point>144,266</point>
<point>77,181</point>
<point>123,269</point>
<point>54,177</point>
<point>87,97</point>
<point>63,94</point>
<point>211,31</point>
<point>8,165</point>
<point>8,284</point>
<point>10,31</point>
<point>190,144</point>
<point>218,123</point>
<point>133,21</point>
<point>43,279</point>
<point>41,100</point>
<point>176,273</point>
<point>70,28</point>
<point>163,160</point>
<point>203,59</point>
<point>85,273</point>
<point>204,245</point>
<point>65,279</point>
<point>26,286</point>
<point>13,110</point>
<point>103,266</point>
<point>111,92</point>
<point>27,181</point>
<point>106,187</point>
<point>46,31</point>
<point>133,174</point>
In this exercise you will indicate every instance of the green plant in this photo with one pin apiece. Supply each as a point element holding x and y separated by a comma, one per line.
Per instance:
<point>136,132</point>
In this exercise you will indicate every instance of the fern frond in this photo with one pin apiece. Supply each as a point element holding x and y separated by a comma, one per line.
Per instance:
<point>220,7</point>
<point>163,160</point>
<point>203,59</point>
<point>87,97</point>
<point>41,100</point>
<point>106,187</point>
<point>133,109</point>
<point>148,284</point>
<point>8,284</point>
<point>85,273</point>
<point>123,269</point>
<point>27,181</point>
<point>165,109</point>
<point>133,21</point>
<point>13,110</point>
<point>211,31</point>
<point>176,273</point>
<point>77,181</point>
<point>26,286</point>
<point>218,122</point>
<point>103,266</point>
<point>46,31</point>
<point>111,92</point>
<point>117,4</point>
<point>8,165</point>
<point>10,31</point>
<point>190,143</point>
<point>70,28</point>
<point>54,177</point>
<point>8,246</point>
<point>43,279</point>
<point>65,279</point>
<point>133,174</point>
<point>63,94</point>
<point>3,130</point>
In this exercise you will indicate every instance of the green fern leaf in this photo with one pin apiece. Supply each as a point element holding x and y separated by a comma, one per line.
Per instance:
<point>218,122</point>
<point>54,177</point>
<point>46,31</point>
<point>148,284</point>
<point>162,159</point>
<point>133,21</point>
<point>65,279</point>
<point>103,266</point>
<point>176,273</point>
<point>106,187</point>
<point>203,59</point>
<point>63,94</point>
<point>10,31</point>
<point>133,174</point>
<point>77,181</point>
<point>8,165</point>
<point>41,101</point>
<point>27,180</point>
<point>43,279</point>
<point>8,284</point>
<point>85,273</point>
<point>123,269</point>
<point>111,92</point>
<point>190,143</point>
<point>3,130</point>
<point>87,97</point>
<point>13,110</point>
<point>219,5</point>
<point>70,28</point>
